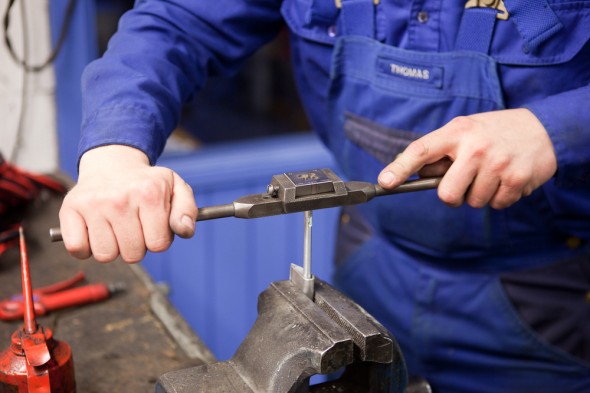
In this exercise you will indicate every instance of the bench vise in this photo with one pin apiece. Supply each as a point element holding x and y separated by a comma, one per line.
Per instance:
<point>294,338</point>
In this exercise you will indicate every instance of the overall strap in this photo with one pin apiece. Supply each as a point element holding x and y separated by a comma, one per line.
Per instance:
<point>322,11</point>
<point>534,20</point>
<point>476,29</point>
<point>358,17</point>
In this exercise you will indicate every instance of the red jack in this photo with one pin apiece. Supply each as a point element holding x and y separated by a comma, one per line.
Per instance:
<point>35,361</point>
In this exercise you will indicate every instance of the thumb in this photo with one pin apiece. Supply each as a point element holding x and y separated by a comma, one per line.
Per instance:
<point>183,209</point>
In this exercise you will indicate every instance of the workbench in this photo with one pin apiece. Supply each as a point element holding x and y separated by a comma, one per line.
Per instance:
<point>119,345</point>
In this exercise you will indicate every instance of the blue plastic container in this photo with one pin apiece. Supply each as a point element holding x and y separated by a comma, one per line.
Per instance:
<point>216,276</point>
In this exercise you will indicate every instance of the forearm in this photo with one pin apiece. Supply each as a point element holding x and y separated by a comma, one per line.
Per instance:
<point>163,53</point>
<point>566,118</point>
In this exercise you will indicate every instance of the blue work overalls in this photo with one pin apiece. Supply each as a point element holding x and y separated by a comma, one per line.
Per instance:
<point>431,273</point>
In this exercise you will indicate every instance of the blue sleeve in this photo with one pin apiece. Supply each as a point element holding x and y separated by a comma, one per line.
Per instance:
<point>566,118</point>
<point>162,53</point>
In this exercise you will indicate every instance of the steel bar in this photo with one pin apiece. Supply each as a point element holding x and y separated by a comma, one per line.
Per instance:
<point>307,244</point>
<point>212,212</point>
<point>410,186</point>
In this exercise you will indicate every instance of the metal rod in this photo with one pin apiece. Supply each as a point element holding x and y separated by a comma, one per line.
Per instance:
<point>205,213</point>
<point>410,186</point>
<point>307,244</point>
<point>221,211</point>
<point>55,234</point>
<point>30,324</point>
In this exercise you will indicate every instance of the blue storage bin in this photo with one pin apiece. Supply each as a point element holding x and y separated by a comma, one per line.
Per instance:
<point>216,276</point>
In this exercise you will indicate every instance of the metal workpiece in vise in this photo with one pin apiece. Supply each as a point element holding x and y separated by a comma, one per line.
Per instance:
<point>294,338</point>
<point>35,362</point>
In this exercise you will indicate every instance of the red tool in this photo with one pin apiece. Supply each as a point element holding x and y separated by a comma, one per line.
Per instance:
<point>35,361</point>
<point>58,296</point>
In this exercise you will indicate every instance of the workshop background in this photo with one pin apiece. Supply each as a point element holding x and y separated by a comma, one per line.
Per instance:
<point>233,138</point>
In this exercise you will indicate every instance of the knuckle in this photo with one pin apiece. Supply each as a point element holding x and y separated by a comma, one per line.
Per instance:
<point>479,150</point>
<point>516,180</point>
<point>504,203</point>
<point>527,191</point>
<point>476,201</point>
<point>499,164</point>
<point>188,187</point>
<point>462,124</point>
<point>117,201</point>
<point>78,250</point>
<point>150,192</point>
<point>398,166</point>
<point>505,198</point>
<point>450,197</point>
<point>134,256</point>
<point>104,256</point>
<point>497,204</point>
<point>417,149</point>
<point>160,244</point>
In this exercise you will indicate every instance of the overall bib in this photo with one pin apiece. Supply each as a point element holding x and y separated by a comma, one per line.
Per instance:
<point>428,272</point>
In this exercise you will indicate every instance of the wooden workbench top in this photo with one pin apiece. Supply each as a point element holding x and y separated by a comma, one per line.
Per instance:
<point>118,345</point>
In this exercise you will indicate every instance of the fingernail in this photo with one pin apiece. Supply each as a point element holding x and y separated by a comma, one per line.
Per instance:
<point>386,178</point>
<point>188,222</point>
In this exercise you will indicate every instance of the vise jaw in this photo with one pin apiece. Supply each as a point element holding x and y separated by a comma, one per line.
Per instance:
<point>294,338</point>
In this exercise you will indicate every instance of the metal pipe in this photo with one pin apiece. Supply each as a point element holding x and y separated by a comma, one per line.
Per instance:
<point>30,324</point>
<point>307,245</point>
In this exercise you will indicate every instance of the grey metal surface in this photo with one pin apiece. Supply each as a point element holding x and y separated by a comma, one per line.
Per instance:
<point>295,338</point>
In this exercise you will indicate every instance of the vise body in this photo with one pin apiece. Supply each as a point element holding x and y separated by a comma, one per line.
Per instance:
<point>295,337</point>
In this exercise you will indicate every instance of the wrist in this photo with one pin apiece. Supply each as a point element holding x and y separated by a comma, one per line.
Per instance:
<point>112,157</point>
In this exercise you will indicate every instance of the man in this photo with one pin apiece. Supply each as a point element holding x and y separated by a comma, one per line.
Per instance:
<point>487,294</point>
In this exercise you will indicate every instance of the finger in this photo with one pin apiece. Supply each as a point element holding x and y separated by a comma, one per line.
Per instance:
<point>438,168</point>
<point>426,150</point>
<point>456,182</point>
<point>509,191</point>
<point>129,236</point>
<point>74,233</point>
<point>102,240</point>
<point>183,209</point>
<point>154,214</point>
<point>482,190</point>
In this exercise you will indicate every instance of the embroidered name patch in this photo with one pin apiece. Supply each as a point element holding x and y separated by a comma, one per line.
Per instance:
<point>411,72</point>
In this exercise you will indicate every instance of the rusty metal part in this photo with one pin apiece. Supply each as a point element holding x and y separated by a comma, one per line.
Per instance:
<point>35,361</point>
<point>298,192</point>
<point>294,338</point>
